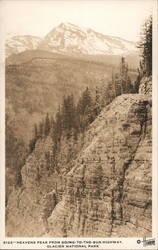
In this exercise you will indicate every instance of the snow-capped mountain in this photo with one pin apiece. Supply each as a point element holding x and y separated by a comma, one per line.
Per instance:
<point>70,39</point>
<point>17,44</point>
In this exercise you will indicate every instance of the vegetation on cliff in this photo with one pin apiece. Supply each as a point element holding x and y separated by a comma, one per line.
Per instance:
<point>73,118</point>
<point>94,145</point>
<point>145,46</point>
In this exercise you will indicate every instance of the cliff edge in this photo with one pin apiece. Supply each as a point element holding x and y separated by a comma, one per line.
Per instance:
<point>107,192</point>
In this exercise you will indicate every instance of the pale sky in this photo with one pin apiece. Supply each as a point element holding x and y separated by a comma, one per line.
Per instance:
<point>110,17</point>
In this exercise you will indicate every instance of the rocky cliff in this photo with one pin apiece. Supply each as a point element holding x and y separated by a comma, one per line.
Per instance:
<point>146,85</point>
<point>24,204</point>
<point>106,193</point>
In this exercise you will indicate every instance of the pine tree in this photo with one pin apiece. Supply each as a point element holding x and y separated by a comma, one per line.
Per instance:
<point>85,109</point>
<point>84,101</point>
<point>16,153</point>
<point>113,83</point>
<point>123,67</point>
<point>34,139</point>
<point>97,105</point>
<point>47,125</point>
<point>145,46</point>
<point>41,129</point>
<point>58,126</point>
<point>121,82</point>
<point>35,132</point>
<point>32,144</point>
<point>68,115</point>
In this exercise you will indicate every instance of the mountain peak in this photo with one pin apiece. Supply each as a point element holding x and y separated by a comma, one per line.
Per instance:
<point>75,40</point>
<point>67,24</point>
<point>72,39</point>
<point>71,27</point>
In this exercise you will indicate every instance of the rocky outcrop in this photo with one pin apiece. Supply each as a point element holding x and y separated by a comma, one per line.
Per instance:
<point>40,176</point>
<point>146,85</point>
<point>107,191</point>
<point>25,204</point>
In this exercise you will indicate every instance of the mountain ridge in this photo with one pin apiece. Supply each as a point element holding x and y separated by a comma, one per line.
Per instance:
<point>17,44</point>
<point>71,39</point>
<point>25,80</point>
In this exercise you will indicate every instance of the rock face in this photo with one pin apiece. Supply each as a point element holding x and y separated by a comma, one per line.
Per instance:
<point>25,205</point>
<point>107,192</point>
<point>146,86</point>
<point>72,39</point>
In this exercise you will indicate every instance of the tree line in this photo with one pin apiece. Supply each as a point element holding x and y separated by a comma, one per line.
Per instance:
<point>73,118</point>
<point>70,120</point>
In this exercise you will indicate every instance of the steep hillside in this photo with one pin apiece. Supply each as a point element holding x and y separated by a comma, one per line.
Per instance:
<point>37,80</point>
<point>108,178</point>
<point>111,177</point>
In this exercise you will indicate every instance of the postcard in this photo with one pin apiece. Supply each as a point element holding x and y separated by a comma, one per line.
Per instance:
<point>78,120</point>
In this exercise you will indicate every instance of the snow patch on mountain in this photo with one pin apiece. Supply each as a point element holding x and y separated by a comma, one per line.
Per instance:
<point>71,39</point>
<point>17,44</point>
<point>68,37</point>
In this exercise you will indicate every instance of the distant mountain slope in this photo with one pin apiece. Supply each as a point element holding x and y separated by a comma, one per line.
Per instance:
<point>108,60</point>
<point>70,39</point>
<point>17,44</point>
<point>37,83</point>
<point>30,55</point>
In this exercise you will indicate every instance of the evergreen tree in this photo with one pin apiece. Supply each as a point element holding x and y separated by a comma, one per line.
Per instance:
<point>113,83</point>
<point>97,105</point>
<point>41,129</point>
<point>123,67</point>
<point>145,46</point>
<point>85,109</point>
<point>36,132</point>
<point>84,101</point>
<point>137,82</point>
<point>68,115</point>
<point>47,125</point>
<point>32,144</point>
<point>16,153</point>
<point>121,81</point>
<point>57,127</point>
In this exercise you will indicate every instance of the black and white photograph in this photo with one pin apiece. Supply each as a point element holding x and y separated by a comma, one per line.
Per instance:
<point>78,109</point>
